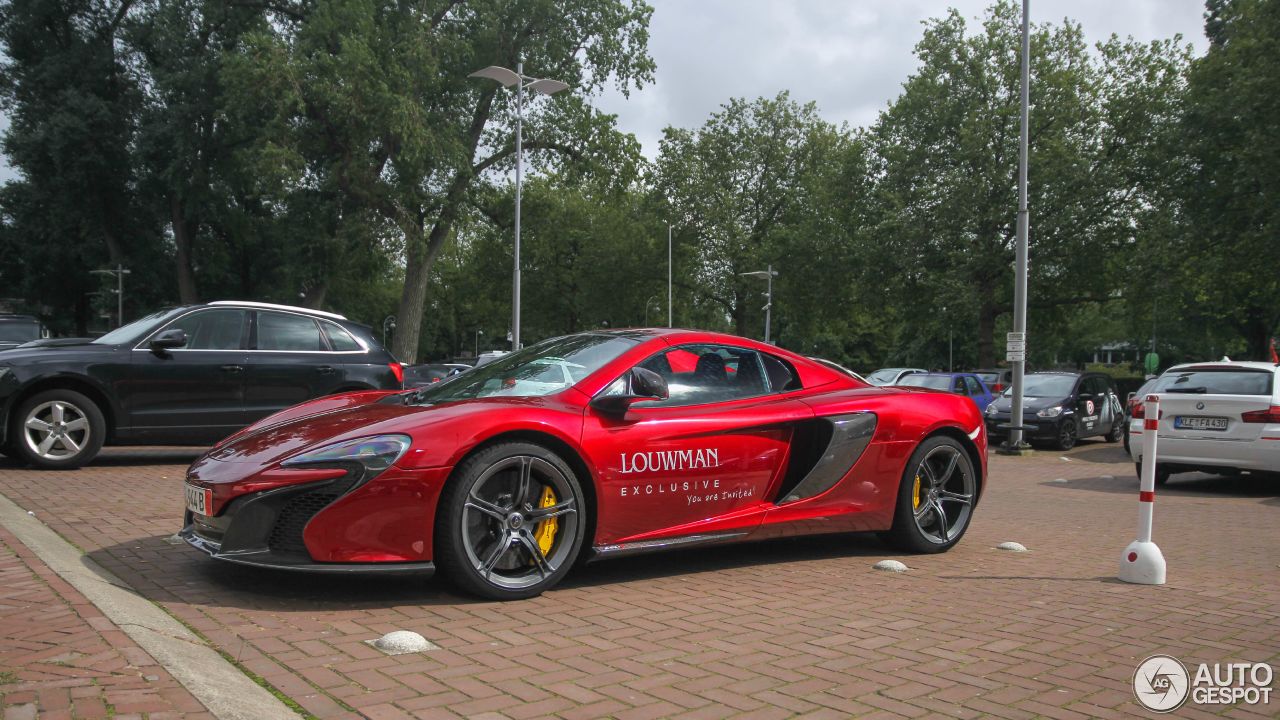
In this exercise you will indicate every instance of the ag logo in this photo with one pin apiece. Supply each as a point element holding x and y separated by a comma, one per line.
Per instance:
<point>1088,407</point>
<point>1161,683</point>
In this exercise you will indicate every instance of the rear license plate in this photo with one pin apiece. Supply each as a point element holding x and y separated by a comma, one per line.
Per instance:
<point>1190,422</point>
<point>199,500</point>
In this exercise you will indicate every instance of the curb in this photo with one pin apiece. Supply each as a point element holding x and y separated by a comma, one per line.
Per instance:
<point>222,688</point>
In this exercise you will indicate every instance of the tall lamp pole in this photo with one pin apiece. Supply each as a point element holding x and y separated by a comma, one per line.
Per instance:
<point>670,307</point>
<point>119,272</point>
<point>478,334</point>
<point>507,78</point>
<point>1016,348</point>
<point>768,275</point>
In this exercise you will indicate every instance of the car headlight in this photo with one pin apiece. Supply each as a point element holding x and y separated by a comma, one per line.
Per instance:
<point>991,409</point>
<point>1050,412</point>
<point>375,453</point>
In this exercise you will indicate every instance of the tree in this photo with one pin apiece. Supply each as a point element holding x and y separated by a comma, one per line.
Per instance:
<point>1230,247</point>
<point>947,161</point>
<point>371,104</point>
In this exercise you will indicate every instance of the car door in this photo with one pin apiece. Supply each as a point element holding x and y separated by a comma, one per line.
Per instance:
<point>703,461</point>
<point>1093,404</point>
<point>193,393</point>
<point>289,363</point>
<point>977,392</point>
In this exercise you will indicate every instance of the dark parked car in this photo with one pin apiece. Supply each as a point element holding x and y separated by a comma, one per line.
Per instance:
<point>424,374</point>
<point>192,374</point>
<point>18,329</point>
<point>1061,407</point>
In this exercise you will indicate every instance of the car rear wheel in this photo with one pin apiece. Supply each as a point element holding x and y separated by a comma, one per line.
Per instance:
<point>59,430</point>
<point>935,498</point>
<point>1067,435</point>
<point>1162,474</point>
<point>511,522</point>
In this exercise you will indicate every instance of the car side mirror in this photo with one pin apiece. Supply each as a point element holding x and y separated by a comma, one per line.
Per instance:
<point>167,340</point>
<point>637,385</point>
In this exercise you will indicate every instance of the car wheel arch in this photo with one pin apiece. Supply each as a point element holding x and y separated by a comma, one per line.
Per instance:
<point>562,449</point>
<point>84,387</point>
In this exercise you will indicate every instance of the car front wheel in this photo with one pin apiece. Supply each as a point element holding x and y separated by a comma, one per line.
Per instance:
<point>935,498</point>
<point>511,522</point>
<point>1067,435</point>
<point>59,430</point>
<point>1118,432</point>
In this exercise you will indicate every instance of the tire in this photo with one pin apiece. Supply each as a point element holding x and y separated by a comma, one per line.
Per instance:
<point>940,463</point>
<point>1162,474</point>
<point>1118,432</point>
<point>1067,435</point>
<point>73,444</point>
<point>1127,449</point>
<point>487,528</point>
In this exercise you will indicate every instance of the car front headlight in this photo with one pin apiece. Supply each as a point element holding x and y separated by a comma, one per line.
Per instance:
<point>991,409</point>
<point>1050,412</point>
<point>375,453</point>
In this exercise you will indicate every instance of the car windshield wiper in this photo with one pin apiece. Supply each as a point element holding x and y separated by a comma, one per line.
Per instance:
<point>1200,390</point>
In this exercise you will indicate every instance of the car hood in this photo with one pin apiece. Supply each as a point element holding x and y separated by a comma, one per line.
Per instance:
<point>335,419</point>
<point>1029,404</point>
<point>62,347</point>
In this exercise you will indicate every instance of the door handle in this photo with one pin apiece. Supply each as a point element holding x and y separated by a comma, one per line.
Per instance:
<point>325,370</point>
<point>232,368</point>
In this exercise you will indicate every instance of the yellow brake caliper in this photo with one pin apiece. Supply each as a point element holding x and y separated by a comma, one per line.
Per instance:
<point>545,532</point>
<point>915,494</point>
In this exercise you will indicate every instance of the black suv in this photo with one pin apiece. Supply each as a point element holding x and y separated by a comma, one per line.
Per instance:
<point>18,329</point>
<point>186,375</point>
<point>1060,408</point>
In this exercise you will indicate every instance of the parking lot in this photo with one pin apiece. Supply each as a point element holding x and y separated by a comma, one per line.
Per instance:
<point>791,627</point>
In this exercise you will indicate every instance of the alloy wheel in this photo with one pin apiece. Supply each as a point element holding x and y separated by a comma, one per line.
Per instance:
<point>942,498</point>
<point>56,430</point>
<point>520,520</point>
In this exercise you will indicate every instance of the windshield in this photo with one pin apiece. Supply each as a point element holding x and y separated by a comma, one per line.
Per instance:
<point>1046,386</point>
<point>19,332</point>
<point>1216,382</point>
<point>136,329</point>
<point>989,378</point>
<point>937,382</point>
<point>542,369</point>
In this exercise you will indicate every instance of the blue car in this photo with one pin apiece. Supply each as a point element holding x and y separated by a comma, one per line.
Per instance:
<point>967,384</point>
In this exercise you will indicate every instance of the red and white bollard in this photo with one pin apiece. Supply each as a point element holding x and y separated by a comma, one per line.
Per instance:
<point>1142,561</point>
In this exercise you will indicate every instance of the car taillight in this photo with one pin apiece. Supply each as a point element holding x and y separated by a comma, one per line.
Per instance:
<point>1138,412</point>
<point>997,388</point>
<point>398,370</point>
<point>1270,415</point>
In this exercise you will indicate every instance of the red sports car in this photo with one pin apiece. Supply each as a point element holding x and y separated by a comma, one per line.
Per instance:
<point>602,443</point>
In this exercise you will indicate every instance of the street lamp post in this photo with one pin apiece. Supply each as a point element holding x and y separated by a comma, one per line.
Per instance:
<point>768,275</point>
<point>507,78</point>
<point>388,325</point>
<point>670,306</point>
<point>1016,347</point>
<point>646,309</point>
<point>119,272</point>
<point>478,334</point>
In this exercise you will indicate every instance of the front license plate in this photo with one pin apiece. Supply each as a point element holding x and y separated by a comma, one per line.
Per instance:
<point>1191,422</point>
<point>199,500</point>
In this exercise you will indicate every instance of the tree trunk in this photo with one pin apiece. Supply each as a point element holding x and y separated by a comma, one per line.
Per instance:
<point>182,258</point>
<point>313,297</point>
<point>417,274</point>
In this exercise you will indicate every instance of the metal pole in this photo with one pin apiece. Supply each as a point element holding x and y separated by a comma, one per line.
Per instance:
<point>950,349</point>
<point>515,304</point>
<point>1020,281</point>
<point>768,308</point>
<point>670,307</point>
<point>120,294</point>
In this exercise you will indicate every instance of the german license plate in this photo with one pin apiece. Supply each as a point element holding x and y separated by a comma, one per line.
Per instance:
<point>199,500</point>
<point>1191,422</point>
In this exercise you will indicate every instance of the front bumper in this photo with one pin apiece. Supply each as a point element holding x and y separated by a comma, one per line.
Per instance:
<point>1034,427</point>
<point>265,529</point>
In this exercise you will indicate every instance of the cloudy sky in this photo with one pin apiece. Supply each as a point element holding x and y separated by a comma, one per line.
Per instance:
<point>850,56</point>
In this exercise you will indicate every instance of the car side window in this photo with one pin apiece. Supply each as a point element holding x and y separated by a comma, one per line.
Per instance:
<point>700,374</point>
<point>340,340</point>
<point>285,331</point>
<point>221,329</point>
<point>782,377</point>
<point>972,386</point>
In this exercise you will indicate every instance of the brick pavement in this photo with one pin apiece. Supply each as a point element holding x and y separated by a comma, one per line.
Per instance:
<point>786,628</point>
<point>60,658</point>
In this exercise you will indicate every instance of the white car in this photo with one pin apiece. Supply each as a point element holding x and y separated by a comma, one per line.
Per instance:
<point>1217,417</point>
<point>891,376</point>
